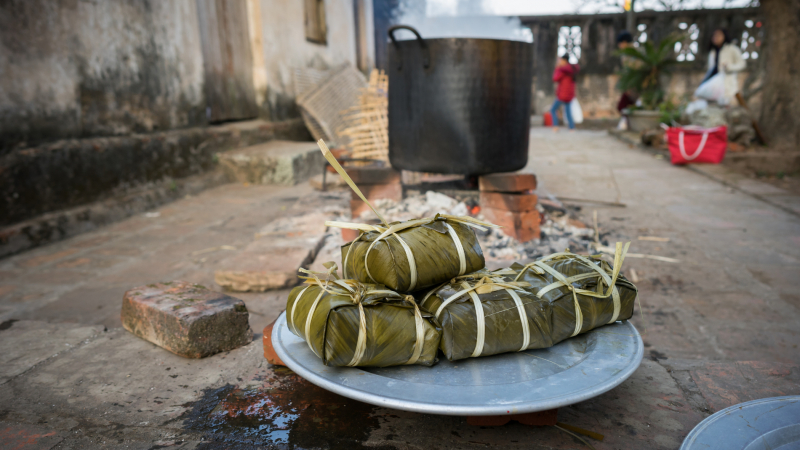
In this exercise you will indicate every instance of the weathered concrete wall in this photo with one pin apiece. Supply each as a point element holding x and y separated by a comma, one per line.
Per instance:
<point>285,47</point>
<point>77,68</point>
<point>66,187</point>
<point>69,173</point>
<point>102,100</point>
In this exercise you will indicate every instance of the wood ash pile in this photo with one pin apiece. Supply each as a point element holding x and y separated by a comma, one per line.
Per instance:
<point>559,229</point>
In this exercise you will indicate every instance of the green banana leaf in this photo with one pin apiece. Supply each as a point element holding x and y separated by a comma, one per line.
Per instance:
<point>432,246</point>
<point>548,305</point>
<point>392,324</point>
<point>504,330</point>
<point>595,311</point>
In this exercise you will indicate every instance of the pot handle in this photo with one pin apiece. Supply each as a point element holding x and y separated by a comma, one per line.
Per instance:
<point>426,61</point>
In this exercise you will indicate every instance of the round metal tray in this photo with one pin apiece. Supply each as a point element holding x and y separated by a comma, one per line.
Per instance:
<point>769,423</point>
<point>512,383</point>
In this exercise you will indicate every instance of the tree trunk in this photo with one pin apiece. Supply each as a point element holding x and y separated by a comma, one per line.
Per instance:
<point>780,104</point>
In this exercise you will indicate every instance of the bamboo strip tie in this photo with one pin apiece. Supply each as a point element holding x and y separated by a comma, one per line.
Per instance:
<point>393,230</point>
<point>356,291</point>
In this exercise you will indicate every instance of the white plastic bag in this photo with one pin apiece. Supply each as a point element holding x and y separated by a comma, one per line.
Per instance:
<point>713,89</point>
<point>696,105</point>
<point>575,109</point>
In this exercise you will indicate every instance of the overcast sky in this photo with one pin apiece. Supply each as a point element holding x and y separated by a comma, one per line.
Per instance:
<point>536,7</point>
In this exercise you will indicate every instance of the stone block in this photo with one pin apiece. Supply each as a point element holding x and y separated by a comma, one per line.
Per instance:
<point>274,162</point>
<point>508,202</point>
<point>186,319</point>
<point>288,230</point>
<point>373,175</point>
<point>271,261</point>
<point>507,182</point>
<point>522,226</point>
<point>262,266</point>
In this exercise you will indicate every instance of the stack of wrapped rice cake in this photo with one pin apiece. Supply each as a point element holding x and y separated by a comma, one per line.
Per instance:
<point>409,289</point>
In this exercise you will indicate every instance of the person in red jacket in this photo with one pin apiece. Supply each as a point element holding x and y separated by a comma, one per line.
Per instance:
<point>565,77</point>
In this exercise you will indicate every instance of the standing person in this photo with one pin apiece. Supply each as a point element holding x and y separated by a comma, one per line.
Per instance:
<point>628,98</point>
<point>724,61</point>
<point>564,75</point>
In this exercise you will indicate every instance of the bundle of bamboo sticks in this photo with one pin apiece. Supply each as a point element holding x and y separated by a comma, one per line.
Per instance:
<point>367,131</point>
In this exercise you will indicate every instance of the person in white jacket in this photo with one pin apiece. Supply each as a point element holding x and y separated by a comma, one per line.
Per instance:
<point>725,60</point>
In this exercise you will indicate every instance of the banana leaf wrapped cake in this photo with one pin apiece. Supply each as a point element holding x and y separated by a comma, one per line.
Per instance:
<point>348,323</point>
<point>584,292</point>
<point>485,314</point>
<point>527,307</point>
<point>413,255</point>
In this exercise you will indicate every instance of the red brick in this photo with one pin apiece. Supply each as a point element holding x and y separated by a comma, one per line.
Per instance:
<point>522,226</point>
<point>269,350</point>
<point>508,202</point>
<point>392,191</point>
<point>348,235</point>
<point>373,175</point>
<point>508,182</point>
<point>540,418</point>
<point>357,207</point>
<point>186,319</point>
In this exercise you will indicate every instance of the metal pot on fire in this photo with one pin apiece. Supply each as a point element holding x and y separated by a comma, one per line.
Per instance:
<point>459,105</point>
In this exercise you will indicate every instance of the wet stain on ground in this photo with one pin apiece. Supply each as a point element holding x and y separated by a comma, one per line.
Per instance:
<point>7,324</point>
<point>655,355</point>
<point>285,412</point>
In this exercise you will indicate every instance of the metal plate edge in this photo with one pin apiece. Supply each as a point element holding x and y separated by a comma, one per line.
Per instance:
<point>450,410</point>
<point>710,420</point>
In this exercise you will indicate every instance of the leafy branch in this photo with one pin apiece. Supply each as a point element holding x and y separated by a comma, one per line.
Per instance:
<point>645,68</point>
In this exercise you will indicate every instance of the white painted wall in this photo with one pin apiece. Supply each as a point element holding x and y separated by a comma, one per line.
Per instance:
<point>285,46</point>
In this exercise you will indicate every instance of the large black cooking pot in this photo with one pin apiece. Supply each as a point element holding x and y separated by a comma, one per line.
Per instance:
<point>459,105</point>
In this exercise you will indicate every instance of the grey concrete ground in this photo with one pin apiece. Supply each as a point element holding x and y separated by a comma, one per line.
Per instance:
<point>720,327</point>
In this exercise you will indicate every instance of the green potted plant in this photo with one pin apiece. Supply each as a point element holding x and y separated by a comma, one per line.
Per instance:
<point>670,111</point>
<point>645,70</point>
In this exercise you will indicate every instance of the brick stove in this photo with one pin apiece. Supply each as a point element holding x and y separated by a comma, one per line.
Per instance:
<point>507,200</point>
